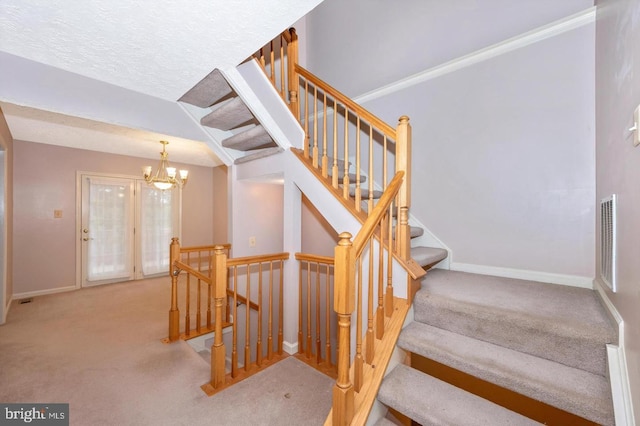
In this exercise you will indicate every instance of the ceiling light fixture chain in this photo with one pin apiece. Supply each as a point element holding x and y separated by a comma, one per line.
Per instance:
<point>166,176</point>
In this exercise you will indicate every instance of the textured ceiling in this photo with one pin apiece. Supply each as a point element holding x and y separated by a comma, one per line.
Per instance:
<point>159,48</point>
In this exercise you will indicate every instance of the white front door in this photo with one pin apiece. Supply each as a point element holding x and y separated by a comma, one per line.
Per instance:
<point>126,229</point>
<point>108,226</point>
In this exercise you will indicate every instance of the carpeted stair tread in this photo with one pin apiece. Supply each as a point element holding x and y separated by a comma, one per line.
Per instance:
<point>208,91</point>
<point>563,324</point>
<point>414,232</point>
<point>259,154</point>
<point>428,256</point>
<point>254,138</point>
<point>364,193</point>
<point>430,401</point>
<point>571,389</point>
<point>228,116</point>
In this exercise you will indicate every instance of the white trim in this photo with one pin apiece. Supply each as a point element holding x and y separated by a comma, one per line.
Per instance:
<point>524,274</point>
<point>290,348</point>
<point>618,372</point>
<point>6,309</point>
<point>26,295</point>
<point>544,32</point>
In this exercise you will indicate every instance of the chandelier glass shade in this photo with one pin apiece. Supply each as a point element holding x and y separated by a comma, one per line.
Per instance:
<point>166,177</point>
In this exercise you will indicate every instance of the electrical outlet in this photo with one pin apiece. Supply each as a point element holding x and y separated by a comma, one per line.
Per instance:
<point>252,241</point>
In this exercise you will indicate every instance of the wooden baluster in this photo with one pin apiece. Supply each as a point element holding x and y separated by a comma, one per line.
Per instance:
<point>220,290</point>
<point>247,330</point>
<point>327,316</point>
<point>300,323</point>
<point>174,312</point>
<point>403,163</point>
<point>272,57</point>
<point>384,164</point>
<point>308,309</point>
<point>358,193</point>
<point>334,169</point>
<point>234,328</point>
<point>306,118</point>
<point>209,287</point>
<point>318,341</point>
<point>388,295</point>
<point>370,336</point>
<point>282,74</point>
<point>281,309</point>
<point>292,55</point>
<point>315,127</point>
<point>270,324</point>
<point>325,158</point>
<point>263,62</point>
<point>380,310</point>
<point>259,342</point>
<point>359,360</point>
<point>345,179</point>
<point>187,314</point>
<point>370,203</point>
<point>344,298</point>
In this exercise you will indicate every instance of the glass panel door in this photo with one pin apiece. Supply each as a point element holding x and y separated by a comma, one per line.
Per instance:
<point>107,230</point>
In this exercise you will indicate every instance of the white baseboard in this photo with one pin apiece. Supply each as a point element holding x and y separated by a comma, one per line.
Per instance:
<point>25,295</point>
<point>524,274</point>
<point>5,311</point>
<point>620,392</point>
<point>618,372</point>
<point>290,348</point>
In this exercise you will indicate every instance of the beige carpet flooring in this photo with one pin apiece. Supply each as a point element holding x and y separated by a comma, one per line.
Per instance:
<point>99,349</point>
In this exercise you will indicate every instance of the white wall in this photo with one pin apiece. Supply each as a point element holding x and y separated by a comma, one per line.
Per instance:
<point>618,162</point>
<point>503,150</point>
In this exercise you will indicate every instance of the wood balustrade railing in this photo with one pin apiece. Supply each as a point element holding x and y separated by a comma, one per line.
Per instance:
<point>316,318</point>
<point>246,294</point>
<point>356,152</point>
<point>194,295</point>
<point>371,302</point>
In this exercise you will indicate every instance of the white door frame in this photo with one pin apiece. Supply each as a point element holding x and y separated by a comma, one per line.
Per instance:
<point>79,234</point>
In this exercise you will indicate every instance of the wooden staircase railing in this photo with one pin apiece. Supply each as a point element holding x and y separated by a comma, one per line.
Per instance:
<point>372,303</point>
<point>340,132</point>
<point>316,320</point>
<point>246,293</point>
<point>196,292</point>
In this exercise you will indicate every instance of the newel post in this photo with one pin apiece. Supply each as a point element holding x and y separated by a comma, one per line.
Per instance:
<point>294,84</point>
<point>403,163</point>
<point>219,293</point>
<point>174,313</point>
<point>344,304</point>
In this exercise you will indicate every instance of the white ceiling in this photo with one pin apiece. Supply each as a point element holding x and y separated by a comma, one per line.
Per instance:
<point>126,53</point>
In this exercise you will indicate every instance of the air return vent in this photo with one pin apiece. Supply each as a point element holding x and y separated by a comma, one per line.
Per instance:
<point>608,241</point>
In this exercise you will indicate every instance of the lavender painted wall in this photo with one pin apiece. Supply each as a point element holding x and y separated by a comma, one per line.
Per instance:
<point>6,144</point>
<point>361,45</point>
<point>618,161</point>
<point>503,149</point>
<point>45,179</point>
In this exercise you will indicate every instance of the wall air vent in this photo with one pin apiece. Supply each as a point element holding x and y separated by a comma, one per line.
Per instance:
<point>608,241</point>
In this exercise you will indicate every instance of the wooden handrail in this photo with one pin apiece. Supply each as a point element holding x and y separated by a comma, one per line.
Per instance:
<point>372,222</point>
<point>344,99</point>
<point>238,261</point>
<point>314,258</point>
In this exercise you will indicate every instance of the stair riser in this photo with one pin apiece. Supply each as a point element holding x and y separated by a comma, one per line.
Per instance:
<point>508,332</point>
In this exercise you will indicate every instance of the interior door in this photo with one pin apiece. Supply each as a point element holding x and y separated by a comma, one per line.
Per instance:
<point>108,227</point>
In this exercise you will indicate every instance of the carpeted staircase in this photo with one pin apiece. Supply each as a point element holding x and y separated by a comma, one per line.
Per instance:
<point>229,112</point>
<point>537,348</point>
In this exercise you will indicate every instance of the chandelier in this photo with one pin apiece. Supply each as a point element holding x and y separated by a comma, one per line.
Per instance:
<point>165,177</point>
